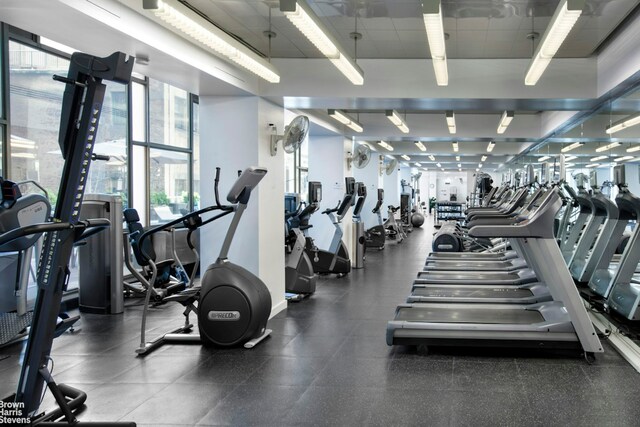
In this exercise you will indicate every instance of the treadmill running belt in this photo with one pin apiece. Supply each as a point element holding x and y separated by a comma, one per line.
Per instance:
<point>452,291</point>
<point>435,314</point>
<point>470,276</point>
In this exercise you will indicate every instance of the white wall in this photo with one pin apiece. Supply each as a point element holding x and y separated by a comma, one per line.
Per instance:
<point>234,135</point>
<point>391,185</point>
<point>326,165</point>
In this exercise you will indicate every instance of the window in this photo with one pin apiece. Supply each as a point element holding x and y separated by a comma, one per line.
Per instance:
<point>163,162</point>
<point>168,115</point>
<point>36,101</point>
<point>168,185</point>
<point>110,177</point>
<point>296,171</point>
<point>138,112</point>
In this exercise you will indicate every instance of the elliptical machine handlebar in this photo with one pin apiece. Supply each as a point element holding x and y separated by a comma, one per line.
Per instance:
<point>328,211</point>
<point>86,228</point>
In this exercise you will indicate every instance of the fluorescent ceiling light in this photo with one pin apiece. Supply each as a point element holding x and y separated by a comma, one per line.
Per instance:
<point>433,159</point>
<point>543,158</point>
<point>506,118</point>
<point>385,145</point>
<point>595,159</point>
<point>438,165</point>
<point>397,120</point>
<point>607,147</point>
<point>459,165</point>
<point>442,169</point>
<point>623,124</point>
<point>345,119</point>
<point>633,149</point>
<point>420,146</point>
<point>24,155</point>
<point>455,146</point>
<point>564,18</point>
<point>569,158</point>
<point>301,15</point>
<point>432,17</point>
<point>407,158</point>
<point>457,158</point>
<point>623,158</point>
<point>186,22</point>
<point>451,121</point>
<point>459,170</point>
<point>483,158</point>
<point>568,165</point>
<point>418,164</point>
<point>477,169</point>
<point>491,146</point>
<point>58,46</point>
<point>479,165</point>
<point>592,165</point>
<point>571,146</point>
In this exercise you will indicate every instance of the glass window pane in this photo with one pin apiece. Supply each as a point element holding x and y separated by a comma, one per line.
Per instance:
<point>36,101</point>
<point>139,178</point>
<point>168,115</point>
<point>289,173</point>
<point>196,155</point>
<point>138,113</point>
<point>110,177</point>
<point>169,185</point>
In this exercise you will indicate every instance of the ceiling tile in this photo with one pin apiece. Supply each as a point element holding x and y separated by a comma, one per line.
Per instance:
<point>413,36</point>
<point>376,24</point>
<point>466,24</point>
<point>380,35</point>
<point>416,23</point>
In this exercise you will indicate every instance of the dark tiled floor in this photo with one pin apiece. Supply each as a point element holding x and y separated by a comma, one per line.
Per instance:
<point>327,363</point>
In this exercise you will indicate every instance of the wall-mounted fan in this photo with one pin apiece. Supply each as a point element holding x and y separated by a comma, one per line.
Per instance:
<point>293,135</point>
<point>391,166</point>
<point>361,156</point>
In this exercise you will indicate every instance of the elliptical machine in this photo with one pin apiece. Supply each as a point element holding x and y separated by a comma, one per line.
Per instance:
<point>335,260</point>
<point>233,305</point>
<point>376,236</point>
<point>300,278</point>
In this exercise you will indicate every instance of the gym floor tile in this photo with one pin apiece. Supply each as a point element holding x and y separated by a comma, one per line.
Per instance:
<point>354,373</point>
<point>163,369</point>
<point>98,369</point>
<point>288,371</point>
<point>178,404</point>
<point>224,369</point>
<point>254,405</point>
<point>479,376</point>
<point>489,408</point>
<point>117,400</point>
<point>333,406</point>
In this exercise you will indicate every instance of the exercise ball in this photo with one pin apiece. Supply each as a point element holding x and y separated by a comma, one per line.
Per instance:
<point>417,219</point>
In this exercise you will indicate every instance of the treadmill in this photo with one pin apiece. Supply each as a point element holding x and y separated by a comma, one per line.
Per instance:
<point>512,264</point>
<point>472,292</point>
<point>605,229</point>
<point>562,323</point>
<point>568,245</point>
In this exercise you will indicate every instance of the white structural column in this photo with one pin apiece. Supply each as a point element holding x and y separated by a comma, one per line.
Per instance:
<point>391,185</point>
<point>231,140</point>
<point>326,164</point>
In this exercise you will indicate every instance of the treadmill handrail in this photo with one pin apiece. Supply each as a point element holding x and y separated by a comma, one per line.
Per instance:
<point>538,225</point>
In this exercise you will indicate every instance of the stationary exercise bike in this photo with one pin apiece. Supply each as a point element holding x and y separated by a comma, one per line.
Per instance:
<point>300,279</point>
<point>376,236</point>
<point>231,303</point>
<point>335,260</point>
